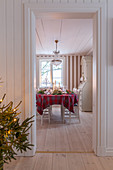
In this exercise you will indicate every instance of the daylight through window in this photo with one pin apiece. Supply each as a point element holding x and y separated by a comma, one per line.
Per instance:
<point>50,73</point>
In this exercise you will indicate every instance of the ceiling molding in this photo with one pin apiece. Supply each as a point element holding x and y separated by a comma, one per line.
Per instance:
<point>43,27</point>
<point>61,29</point>
<point>59,15</point>
<point>39,38</point>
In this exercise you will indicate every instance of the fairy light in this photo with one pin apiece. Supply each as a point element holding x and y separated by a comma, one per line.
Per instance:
<point>9,132</point>
<point>14,119</point>
<point>14,110</point>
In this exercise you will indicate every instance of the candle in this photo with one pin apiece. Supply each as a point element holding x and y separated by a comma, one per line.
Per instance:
<point>53,86</point>
<point>59,85</point>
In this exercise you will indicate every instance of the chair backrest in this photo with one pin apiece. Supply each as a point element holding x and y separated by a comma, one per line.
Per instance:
<point>77,91</point>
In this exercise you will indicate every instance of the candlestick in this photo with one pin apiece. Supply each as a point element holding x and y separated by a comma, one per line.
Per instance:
<point>53,86</point>
<point>59,85</point>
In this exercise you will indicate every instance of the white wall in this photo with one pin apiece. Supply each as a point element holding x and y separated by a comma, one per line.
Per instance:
<point>12,55</point>
<point>11,50</point>
<point>110,76</point>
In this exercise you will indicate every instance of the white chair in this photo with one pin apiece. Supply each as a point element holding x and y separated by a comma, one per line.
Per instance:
<point>46,115</point>
<point>76,106</point>
<point>70,115</point>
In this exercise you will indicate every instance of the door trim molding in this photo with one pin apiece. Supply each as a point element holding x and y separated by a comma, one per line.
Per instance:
<point>31,11</point>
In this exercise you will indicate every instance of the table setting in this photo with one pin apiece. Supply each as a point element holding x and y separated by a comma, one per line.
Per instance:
<point>56,95</point>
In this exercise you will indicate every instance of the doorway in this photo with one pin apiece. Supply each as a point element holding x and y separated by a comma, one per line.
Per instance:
<point>72,33</point>
<point>30,65</point>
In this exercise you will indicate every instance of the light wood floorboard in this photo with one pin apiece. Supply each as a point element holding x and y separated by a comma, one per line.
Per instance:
<point>62,161</point>
<point>57,136</point>
<point>66,137</point>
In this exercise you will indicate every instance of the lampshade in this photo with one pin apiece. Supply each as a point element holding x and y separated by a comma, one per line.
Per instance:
<point>56,62</point>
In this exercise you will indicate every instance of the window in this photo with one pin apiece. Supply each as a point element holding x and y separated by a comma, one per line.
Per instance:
<point>57,74</point>
<point>45,74</point>
<point>50,73</point>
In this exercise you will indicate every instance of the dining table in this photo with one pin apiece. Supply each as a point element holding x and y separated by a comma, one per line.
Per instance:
<point>46,100</point>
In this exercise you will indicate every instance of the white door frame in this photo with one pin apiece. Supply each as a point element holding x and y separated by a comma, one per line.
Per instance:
<point>99,67</point>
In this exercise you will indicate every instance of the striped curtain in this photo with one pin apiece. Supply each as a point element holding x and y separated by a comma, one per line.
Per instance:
<point>72,71</point>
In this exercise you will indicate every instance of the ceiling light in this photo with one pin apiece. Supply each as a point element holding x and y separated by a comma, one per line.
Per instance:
<point>56,61</point>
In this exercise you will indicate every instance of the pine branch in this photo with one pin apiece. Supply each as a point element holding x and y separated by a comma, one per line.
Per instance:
<point>13,135</point>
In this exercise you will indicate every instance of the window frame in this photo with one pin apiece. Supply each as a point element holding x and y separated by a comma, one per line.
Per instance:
<point>51,71</point>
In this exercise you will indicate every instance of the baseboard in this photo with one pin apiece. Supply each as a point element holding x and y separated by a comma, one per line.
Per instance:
<point>28,153</point>
<point>31,152</point>
<point>109,151</point>
<point>101,151</point>
<point>20,154</point>
<point>65,152</point>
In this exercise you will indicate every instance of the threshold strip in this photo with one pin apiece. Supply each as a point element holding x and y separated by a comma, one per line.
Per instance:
<point>64,152</point>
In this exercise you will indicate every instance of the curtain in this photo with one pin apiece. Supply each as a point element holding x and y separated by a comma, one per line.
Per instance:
<point>72,71</point>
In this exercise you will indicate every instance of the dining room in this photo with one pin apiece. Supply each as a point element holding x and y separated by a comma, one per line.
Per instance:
<point>64,49</point>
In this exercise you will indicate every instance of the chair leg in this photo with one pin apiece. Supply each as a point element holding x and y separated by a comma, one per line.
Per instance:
<point>62,113</point>
<point>41,120</point>
<point>49,119</point>
<point>49,114</point>
<point>50,110</point>
<point>78,116</point>
<point>69,117</point>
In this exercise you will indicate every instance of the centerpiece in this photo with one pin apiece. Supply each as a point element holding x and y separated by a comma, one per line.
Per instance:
<point>69,92</point>
<point>57,92</point>
<point>41,91</point>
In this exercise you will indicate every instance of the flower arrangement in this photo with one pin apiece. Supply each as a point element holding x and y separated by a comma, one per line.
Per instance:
<point>69,92</point>
<point>57,92</point>
<point>45,91</point>
<point>41,91</point>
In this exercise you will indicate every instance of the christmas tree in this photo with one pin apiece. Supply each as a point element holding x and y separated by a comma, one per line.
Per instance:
<point>13,134</point>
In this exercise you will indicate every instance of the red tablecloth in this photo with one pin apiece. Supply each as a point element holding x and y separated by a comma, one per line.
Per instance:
<point>67,100</point>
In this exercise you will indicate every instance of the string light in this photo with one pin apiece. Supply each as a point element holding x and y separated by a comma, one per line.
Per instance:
<point>14,119</point>
<point>9,132</point>
<point>6,135</point>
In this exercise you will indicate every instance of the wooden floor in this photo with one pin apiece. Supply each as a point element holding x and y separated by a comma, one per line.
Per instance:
<point>63,137</point>
<point>53,161</point>
<point>59,137</point>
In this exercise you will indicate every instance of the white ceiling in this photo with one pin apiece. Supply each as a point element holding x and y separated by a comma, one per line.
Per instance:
<point>75,36</point>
